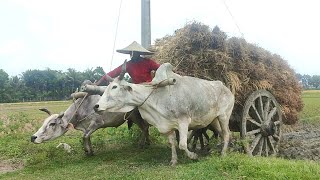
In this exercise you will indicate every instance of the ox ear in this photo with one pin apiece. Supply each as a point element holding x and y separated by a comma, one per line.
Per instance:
<point>123,70</point>
<point>61,115</point>
<point>45,110</point>
<point>128,88</point>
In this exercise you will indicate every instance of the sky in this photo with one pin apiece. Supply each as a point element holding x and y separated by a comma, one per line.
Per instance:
<point>83,34</point>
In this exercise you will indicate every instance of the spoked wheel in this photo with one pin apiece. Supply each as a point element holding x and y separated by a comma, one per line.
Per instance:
<point>198,136</point>
<point>261,121</point>
<point>201,137</point>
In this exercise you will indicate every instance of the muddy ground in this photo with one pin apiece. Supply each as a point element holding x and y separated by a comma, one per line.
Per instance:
<point>301,141</point>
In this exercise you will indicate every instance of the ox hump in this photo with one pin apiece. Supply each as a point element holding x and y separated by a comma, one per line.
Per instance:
<point>163,72</point>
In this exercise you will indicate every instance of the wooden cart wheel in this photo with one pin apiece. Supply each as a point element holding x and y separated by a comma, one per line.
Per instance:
<point>261,121</point>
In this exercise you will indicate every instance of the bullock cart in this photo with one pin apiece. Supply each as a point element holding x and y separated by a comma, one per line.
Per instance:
<point>266,89</point>
<point>259,123</point>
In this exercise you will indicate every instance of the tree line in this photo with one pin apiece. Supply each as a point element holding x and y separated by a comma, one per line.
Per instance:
<point>309,82</point>
<point>44,85</point>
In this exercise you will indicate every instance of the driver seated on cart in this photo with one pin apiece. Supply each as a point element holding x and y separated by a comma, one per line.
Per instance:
<point>140,69</point>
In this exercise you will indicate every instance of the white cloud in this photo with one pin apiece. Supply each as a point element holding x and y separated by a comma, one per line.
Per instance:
<point>37,26</point>
<point>13,47</point>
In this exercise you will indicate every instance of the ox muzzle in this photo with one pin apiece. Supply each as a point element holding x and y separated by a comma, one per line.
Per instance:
<point>33,138</point>
<point>97,109</point>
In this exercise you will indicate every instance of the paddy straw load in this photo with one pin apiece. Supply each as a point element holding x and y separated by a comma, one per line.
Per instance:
<point>199,51</point>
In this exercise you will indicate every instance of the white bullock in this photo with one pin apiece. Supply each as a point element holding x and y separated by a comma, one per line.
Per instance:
<point>190,103</point>
<point>81,116</point>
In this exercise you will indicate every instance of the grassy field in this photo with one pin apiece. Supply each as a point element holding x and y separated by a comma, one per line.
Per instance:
<point>117,155</point>
<point>311,110</point>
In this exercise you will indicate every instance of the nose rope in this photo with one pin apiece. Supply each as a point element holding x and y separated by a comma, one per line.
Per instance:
<point>154,88</point>
<point>77,108</point>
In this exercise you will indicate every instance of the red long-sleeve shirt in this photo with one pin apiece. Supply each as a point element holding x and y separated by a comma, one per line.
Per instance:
<point>139,71</point>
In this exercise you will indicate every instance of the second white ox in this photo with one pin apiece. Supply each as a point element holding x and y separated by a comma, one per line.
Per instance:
<point>190,103</point>
<point>81,116</point>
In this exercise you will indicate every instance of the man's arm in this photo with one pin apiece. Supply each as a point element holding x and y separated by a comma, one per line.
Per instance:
<point>114,73</point>
<point>101,80</point>
<point>153,65</point>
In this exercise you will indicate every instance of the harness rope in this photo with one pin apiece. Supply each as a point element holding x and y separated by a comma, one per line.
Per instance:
<point>77,108</point>
<point>155,87</point>
<point>126,118</point>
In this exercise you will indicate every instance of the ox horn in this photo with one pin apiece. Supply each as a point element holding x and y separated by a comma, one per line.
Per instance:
<point>77,95</point>
<point>93,89</point>
<point>123,70</point>
<point>108,78</point>
<point>61,115</point>
<point>45,110</point>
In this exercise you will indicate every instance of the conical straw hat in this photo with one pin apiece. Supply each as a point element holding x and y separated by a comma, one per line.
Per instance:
<point>135,47</point>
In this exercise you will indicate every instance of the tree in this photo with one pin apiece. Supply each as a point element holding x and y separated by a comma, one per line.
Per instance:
<point>305,80</point>
<point>315,81</point>
<point>4,77</point>
<point>4,87</point>
<point>16,88</point>
<point>89,74</point>
<point>98,72</point>
<point>93,75</point>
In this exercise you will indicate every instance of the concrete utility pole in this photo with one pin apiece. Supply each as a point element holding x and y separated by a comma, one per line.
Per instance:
<point>145,24</point>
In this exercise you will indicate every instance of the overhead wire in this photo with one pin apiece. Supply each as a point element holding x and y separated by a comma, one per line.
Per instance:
<point>115,36</point>
<point>233,18</point>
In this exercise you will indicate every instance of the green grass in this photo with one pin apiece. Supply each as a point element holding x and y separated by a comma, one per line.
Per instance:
<point>311,110</point>
<point>117,155</point>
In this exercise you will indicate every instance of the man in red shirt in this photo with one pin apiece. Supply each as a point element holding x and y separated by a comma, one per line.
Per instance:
<point>139,68</point>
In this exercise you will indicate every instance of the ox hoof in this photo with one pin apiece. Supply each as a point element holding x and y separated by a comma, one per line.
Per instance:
<point>148,142</point>
<point>223,154</point>
<point>193,156</point>
<point>89,153</point>
<point>144,145</point>
<point>173,163</point>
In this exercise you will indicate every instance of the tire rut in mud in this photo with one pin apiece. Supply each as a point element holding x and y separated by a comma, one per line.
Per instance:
<point>301,142</point>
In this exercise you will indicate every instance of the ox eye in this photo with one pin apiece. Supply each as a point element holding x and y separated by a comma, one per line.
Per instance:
<point>52,124</point>
<point>114,87</point>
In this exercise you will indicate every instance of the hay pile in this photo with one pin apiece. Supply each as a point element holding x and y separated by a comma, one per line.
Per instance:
<point>196,50</point>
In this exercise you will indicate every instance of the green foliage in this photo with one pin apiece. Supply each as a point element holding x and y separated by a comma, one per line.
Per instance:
<point>309,82</point>
<point>4,87</point>
<point>4,77</point>
<point>40,85</point>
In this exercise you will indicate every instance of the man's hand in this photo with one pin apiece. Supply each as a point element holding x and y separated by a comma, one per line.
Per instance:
<point>101,80</point>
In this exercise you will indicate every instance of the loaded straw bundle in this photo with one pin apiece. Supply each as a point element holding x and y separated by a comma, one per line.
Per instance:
<point>196,50</point>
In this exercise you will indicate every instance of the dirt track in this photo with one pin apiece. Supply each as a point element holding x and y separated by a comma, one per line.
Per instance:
<point>9,166</point>
<point>301,142</point>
